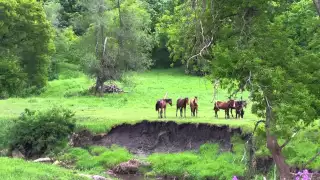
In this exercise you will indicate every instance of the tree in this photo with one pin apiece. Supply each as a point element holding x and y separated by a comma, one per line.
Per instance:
<point>26,34</point>
<point>119,39</point>
<point>277,63</point>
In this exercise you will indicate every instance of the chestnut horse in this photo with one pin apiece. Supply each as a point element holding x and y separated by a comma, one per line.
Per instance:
<point>194,106</point>
<point>223,105</point>
<point>162,104</point>
<point>182,104</point>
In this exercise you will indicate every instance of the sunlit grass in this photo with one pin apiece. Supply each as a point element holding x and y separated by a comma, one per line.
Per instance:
<point>18,169</point>
<point>101,113</point>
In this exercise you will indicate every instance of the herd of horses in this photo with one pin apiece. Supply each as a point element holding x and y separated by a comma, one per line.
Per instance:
<point>182,103</point>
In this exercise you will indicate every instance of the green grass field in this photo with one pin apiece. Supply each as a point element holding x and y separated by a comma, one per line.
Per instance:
<point>18,169</point>
<point>101,113</point>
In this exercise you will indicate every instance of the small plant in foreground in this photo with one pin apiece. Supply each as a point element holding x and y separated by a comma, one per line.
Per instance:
<point>305,175</point>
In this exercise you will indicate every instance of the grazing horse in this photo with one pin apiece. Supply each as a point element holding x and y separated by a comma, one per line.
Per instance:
<point>182,104</point>
<point>162,104</point>
<point>239,108</point>
<point>194,106</point>
<point>223,105</point>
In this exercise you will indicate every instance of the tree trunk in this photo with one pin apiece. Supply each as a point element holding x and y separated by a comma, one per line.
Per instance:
<point>317,4</point>
<point>273,145</point>
<point>278,158</point>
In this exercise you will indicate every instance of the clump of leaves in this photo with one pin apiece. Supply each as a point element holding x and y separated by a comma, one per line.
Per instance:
<point>35,133</point>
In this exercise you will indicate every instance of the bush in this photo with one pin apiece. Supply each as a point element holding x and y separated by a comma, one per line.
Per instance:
<point>35,133</point>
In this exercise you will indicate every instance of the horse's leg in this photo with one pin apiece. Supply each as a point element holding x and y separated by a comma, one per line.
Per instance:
<point>196,112</point>
<point>177,112</point>
<point>181,112</point>
<point>165,113</point>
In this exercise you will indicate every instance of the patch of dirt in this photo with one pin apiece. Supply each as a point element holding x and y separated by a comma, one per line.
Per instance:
<point>149,137</point>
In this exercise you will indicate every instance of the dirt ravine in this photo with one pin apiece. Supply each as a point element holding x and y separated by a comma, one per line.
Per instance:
<point>149,137</point>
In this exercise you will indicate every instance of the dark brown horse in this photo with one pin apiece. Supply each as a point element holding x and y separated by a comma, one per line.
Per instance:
<point>194,106</point>
<point>182,104</point>
<point>240,105</point>
<point>223,105</point>
<point>161,105</point>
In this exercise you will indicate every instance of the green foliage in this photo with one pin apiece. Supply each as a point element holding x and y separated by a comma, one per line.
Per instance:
<point>12,78</point>
<point>25,33</point>
<point>19,169</point>
<point>118,40</point>
<point>209,163</point>
<point>96,158</point>
<point>36,133</point>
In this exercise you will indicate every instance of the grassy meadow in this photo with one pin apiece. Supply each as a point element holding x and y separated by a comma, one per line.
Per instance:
<point>99,114</point>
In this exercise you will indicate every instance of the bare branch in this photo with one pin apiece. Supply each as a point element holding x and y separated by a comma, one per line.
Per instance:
<point>200,53</point>
<point>104,45</point>
<point>312,159</point>
<point>288,140</point>
<point>202,31</point>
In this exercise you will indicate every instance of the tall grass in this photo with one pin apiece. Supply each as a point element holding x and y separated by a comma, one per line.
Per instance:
<point>208,163</point>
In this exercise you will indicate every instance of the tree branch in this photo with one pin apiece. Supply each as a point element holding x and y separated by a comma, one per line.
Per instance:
<point>317,4</point>
<point>104,45</point>
<point>288,140</point>
<point>312,159</point>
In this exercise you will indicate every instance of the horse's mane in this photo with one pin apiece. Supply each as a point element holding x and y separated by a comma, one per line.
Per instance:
<point>168,100</point>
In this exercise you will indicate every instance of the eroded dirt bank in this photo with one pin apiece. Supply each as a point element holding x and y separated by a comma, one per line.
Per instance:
<point>149,137</point>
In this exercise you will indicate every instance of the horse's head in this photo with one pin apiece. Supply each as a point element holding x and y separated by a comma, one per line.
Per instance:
<point>244,104</point>
<point>186,100</point>
<point>169,101</point>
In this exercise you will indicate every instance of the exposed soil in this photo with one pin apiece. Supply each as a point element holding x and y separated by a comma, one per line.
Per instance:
<point>149,137</point>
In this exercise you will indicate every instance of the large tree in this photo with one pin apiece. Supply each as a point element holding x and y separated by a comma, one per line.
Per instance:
<point>118,40</point>
<point>277,61</point>
<point>26,39</point>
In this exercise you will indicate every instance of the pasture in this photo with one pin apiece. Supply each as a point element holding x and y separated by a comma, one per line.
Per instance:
<point>99,114</point>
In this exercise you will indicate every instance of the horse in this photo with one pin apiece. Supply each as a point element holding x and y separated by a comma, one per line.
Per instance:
<point>239,108</point>
<point>194,106</point>
<point>223,105</point>
<point>162,104</point>
<point>182,104</point>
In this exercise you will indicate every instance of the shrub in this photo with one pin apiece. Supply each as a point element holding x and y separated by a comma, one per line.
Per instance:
<point>35,133</point>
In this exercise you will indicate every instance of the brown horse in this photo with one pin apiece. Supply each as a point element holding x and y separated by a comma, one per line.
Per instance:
<point>239,108</point>
<point>194,106</point>
<point>182,104</point>
<point>223,105</point>
<point>161,105</point>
